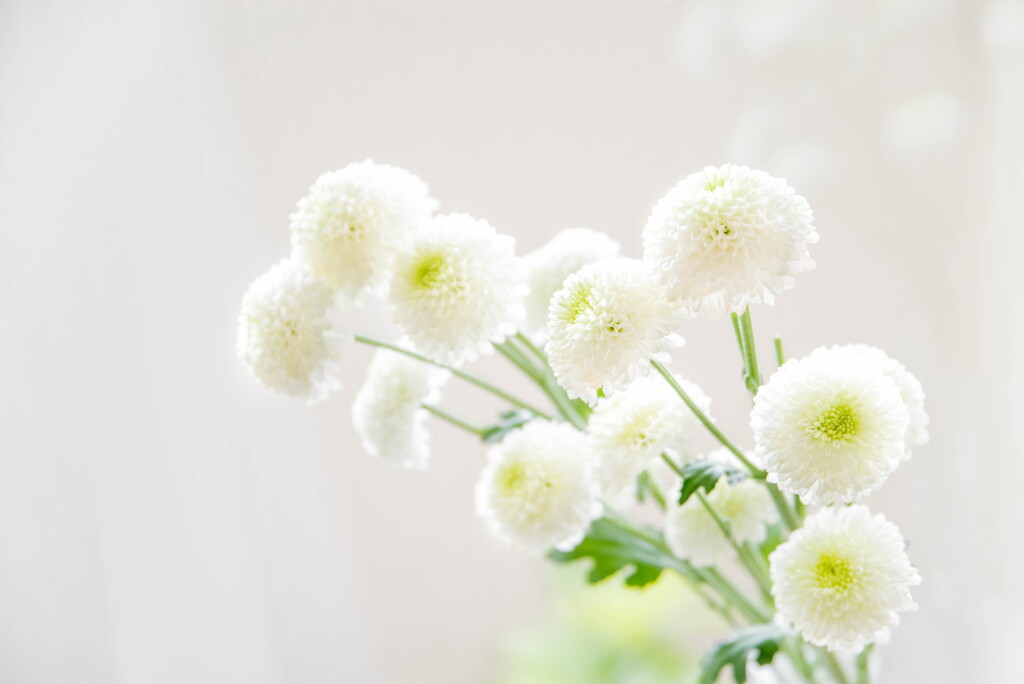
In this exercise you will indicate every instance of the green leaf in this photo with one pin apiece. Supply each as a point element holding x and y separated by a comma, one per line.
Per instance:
<point>510,420</point>
<point>613,546</point>
<point>704,474</point>
<point>762,640</point>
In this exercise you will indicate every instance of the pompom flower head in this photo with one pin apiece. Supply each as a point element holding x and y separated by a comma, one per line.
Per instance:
<point>549,265</point>
<point>727,237</point>
<point>352,222</point>
<point>537,489</point>
<point>388,411</point>
<point>457,288</point>
<point>829,427</point>
<point>606,324</point>
<point>628,431</point>
<point>909,386</point>
<point>841,578</point>
<point>692,534</point>
<point>286,338</point>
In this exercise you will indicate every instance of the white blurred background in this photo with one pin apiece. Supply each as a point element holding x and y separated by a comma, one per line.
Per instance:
<point>164,519</point>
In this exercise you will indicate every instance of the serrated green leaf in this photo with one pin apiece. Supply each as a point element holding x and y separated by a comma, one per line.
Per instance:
<point>704,474</point>
<point>612,547</point>
<point>509,421</point>
<point>763,641</point>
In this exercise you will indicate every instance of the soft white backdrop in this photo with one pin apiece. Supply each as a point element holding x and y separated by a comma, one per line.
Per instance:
<point>163,519</point>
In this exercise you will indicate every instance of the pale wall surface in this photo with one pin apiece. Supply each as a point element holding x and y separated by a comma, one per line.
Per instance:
<point>163,519</point>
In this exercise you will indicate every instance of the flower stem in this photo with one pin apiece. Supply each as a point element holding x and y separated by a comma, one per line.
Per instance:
<point>754,470</point>
<point>863,675</point>
<point>728,591</point>
<point>545,381</point>
<point>468,377</point>
<point>454,420</point>
<point>833,666</point>
<point>763,582</point>
<point>780,355</point>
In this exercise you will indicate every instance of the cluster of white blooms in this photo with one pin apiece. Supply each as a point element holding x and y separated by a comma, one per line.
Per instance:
<point>728,237</point>
<point>457,288</point>
<point>388,410</point>
<point>537,490</point>
<point>606,324</point>
<point>631,429</point>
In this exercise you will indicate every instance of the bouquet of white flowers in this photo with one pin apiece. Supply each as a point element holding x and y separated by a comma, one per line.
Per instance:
<point>823,579</point>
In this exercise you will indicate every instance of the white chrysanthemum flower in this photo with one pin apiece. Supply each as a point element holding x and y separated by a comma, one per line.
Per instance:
<point>727,237</point>
<point>910,390</point>
<point>388,410</point>
<point>628,431</point>
<point>606,324</point>
<point>286,337</point>
<point>829,427</point>
<point>537,490</point>
<point>549,265</point>
<point>352,222</point>
<point>841,578</point>
<point>457,288</point>
<point>692,534</point>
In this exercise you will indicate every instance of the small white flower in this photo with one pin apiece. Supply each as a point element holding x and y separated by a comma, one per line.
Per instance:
<point>457,288</point>
<point>727,237</point>
<point>829,427</point>
<point>910,391</point>
<point>352,222</point>
<point>628,431</point>
<point>606,324</point>
<point>548,266</point>
<point>388,410</point>
<point>286,337</point>
<point>692,534</point>
<point>841,578</point>
<point>537,490</point>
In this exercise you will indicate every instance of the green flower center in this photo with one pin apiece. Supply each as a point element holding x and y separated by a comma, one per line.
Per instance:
<point>837,423</point>
<point>428,271</point>
<point>834,572</point>
<point>579,304</point>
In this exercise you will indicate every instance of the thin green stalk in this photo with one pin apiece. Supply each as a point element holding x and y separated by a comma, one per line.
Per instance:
<point>647,482</point>
<point>763,582</point>
<point>555,393</point>
<point>750,352</point>
<point>468,377</point>
<point>780,355</point>
<point>724,587</point>
<point>833,666</point>
<point>863,675</point>
<point>754,470</point>
<point>785,512</point>
<point>454,420</point>
<point>794,649</point>
<point>534,349</point>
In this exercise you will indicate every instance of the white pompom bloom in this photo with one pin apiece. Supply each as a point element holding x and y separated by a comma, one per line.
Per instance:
<point>457,289</point>
<point>910,388</point>
<point>352,222</point>
<point>628,431</point>
<point>537,490</point>
<point>841,578</point>
<point>549,265</point>
<point>829,427</point>
<point>286,336</point>
<point>388,411</point>
<point>606,324</point>
<point>727,237</point>
<point>692,534</point>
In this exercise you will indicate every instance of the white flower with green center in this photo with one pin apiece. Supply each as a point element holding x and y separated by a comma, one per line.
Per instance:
<point>537,490</point>
<point>694,535</point>
<point>388,412</point>
<point>286,337</point>
<point>606,324</point>
<point>457,288</point>
<point>548,266</point>
<point>353,221</point>
<point>727,237</point>
<point>910,388</point>
<point>842,577</point>
<point>628,431</point>
<point>829,427</point>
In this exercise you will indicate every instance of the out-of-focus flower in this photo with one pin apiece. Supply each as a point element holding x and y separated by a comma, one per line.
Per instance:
<point>842,577</point>
<point>728,237</point>
<point>606,324</point>
<point>286,338</point>
<point>457,288</point>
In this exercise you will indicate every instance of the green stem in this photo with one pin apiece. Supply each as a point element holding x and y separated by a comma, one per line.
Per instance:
<point>454,420</point>
<point>785,512</point>
<point>795,650</point>
<point>863,675</point>
<point>754,470</point>
<point>750,352</point>
<point>468,377</point>
<point>646,482</point>
<point>728,591</point>
<point>763,582</point>
<point>544,381</point>
<point>534,349</point>
<point>833,666</point>
<point>780,355</point>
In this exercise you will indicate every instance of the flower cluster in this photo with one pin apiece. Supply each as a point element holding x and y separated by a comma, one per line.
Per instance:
<point>594,331</point>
